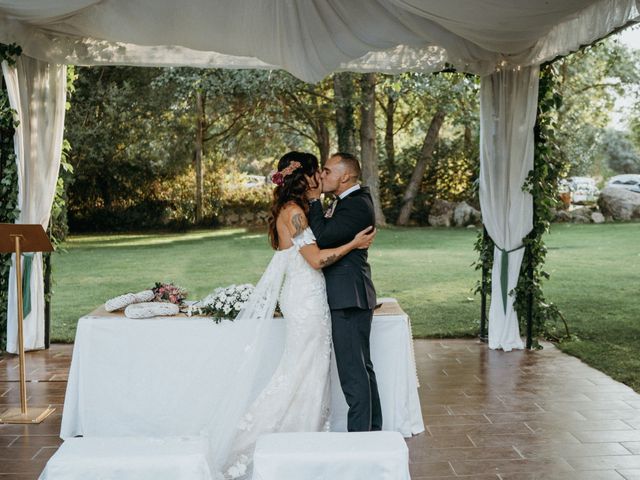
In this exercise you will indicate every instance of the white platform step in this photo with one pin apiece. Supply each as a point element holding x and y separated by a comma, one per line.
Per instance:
<point>331,456</point>
<point>129,458</point>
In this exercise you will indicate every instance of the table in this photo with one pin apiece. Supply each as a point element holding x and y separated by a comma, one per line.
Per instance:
<point>159,377</point>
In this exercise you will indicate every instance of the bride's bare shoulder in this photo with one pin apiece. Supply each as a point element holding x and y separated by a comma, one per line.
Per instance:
<point>289,210</point>
<point>293,218</point>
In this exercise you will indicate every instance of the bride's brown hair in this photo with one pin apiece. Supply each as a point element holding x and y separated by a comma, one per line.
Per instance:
<point>290,188</point>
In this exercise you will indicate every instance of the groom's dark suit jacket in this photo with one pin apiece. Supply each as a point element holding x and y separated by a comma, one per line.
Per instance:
<point>348,280</point>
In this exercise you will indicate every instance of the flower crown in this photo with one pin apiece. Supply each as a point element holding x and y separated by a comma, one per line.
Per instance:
<point>278,177</point>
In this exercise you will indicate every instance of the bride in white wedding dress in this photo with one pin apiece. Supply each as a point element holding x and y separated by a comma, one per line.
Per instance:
<point>296,397</point>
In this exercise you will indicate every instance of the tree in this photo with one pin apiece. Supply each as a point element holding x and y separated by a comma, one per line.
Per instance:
<point>426,156</point>
<point>399,114</point>
<point>302,109</point>
<point>122,139</point>
<point>589,82</point>
<point>220,105</point>
<point>436,98</point>
<point>343,92</point>
<point>369,155</point>
<point>620,153</point>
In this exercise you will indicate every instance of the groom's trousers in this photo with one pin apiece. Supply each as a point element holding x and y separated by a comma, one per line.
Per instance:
<point>351,328</point>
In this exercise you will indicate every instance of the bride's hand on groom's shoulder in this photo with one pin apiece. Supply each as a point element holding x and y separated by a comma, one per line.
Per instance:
<point>364,239</point>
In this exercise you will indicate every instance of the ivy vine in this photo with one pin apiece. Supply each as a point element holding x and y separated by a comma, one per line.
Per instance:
<point>8,183</point>
<point>549,166</point>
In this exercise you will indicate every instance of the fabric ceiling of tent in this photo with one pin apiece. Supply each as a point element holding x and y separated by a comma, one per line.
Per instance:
<point>37,92</point>
<point>310,39</point>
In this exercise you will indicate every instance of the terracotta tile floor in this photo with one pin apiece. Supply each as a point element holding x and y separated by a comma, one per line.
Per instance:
<point>489,416</point>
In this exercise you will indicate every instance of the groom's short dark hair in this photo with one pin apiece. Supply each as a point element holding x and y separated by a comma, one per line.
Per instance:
<point>350,161</point>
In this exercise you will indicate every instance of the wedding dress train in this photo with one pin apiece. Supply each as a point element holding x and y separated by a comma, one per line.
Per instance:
<point>297,396</point>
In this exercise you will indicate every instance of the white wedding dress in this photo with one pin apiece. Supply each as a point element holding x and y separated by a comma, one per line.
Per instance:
<point>297,396</point>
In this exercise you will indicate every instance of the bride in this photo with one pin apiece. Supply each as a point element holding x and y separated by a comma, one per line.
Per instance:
<point>296,397</point>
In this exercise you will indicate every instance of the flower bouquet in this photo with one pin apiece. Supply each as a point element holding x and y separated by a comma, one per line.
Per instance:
<point>168,292</point>
<point>225,302</point>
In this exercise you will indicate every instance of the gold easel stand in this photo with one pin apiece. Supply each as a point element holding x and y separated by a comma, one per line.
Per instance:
<point>17,239</point>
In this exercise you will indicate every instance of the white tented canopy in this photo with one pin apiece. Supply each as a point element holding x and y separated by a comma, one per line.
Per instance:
<point>309,38</point>
<point>503,41</point>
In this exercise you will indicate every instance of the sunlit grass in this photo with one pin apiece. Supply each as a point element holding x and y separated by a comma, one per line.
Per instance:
<point>595,279</point>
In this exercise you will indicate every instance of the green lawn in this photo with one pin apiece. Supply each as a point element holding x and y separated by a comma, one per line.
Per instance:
<point>595,279</point>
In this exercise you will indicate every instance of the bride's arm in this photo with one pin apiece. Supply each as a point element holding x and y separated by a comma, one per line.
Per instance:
<point>317,258</point>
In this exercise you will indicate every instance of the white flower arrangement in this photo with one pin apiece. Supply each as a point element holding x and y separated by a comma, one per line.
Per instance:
<point>224,302</point>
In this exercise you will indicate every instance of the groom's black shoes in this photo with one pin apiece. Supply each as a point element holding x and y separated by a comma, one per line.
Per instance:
<point>352,298</point>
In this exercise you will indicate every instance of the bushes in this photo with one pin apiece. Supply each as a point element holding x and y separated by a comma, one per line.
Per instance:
<point>170,204</point>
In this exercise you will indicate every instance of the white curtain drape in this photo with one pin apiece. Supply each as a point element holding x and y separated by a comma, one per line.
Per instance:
<point>37,92</point>
<point>508,102</point>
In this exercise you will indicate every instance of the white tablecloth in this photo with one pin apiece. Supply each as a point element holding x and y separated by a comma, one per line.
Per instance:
<point>159,377</point>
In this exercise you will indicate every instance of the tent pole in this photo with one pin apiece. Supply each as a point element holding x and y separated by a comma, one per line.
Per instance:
<point>530,302</point>
<point>47,290</point>
<point>483,296</point>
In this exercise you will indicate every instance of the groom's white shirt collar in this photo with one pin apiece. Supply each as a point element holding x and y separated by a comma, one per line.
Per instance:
<point>349,190</point>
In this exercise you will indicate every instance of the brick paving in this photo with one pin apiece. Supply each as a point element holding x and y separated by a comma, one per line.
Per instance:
<point>489,416</point>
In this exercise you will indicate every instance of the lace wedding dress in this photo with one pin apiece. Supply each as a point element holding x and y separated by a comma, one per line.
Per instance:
<point>297,396</point>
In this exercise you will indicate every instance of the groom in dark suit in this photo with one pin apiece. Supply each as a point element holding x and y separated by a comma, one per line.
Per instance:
<point>350,291</point>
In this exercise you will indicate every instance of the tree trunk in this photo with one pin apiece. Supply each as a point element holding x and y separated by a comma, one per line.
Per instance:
<point>324,141</point>
<point>389,144</point>
<point>468,146</point>
<point>426,154</point>
<point>368,154</point>
<point>345,123</point>
<point>199,146</point>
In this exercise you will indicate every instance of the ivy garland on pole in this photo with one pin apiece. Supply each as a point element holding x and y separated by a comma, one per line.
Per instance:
<point>8,183</point>
<point>542,182</point>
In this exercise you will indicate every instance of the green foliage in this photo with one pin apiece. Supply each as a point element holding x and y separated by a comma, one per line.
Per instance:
<point>634,128</point>
<point>542,182</point>
<point>620,154</point>
<point>454,166</point>
<point>133,129</point>
<point>173,205</point>
<point>125,138</point>
<point>589,82</point>
<point>8,183</point>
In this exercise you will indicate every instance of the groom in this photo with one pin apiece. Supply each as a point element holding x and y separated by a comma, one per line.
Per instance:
<point>350,291</point>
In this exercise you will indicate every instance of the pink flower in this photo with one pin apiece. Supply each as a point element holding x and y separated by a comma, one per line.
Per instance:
<point>277,178</point>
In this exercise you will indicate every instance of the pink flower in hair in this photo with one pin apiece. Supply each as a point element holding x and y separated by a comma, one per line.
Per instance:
<point>278,177</point>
